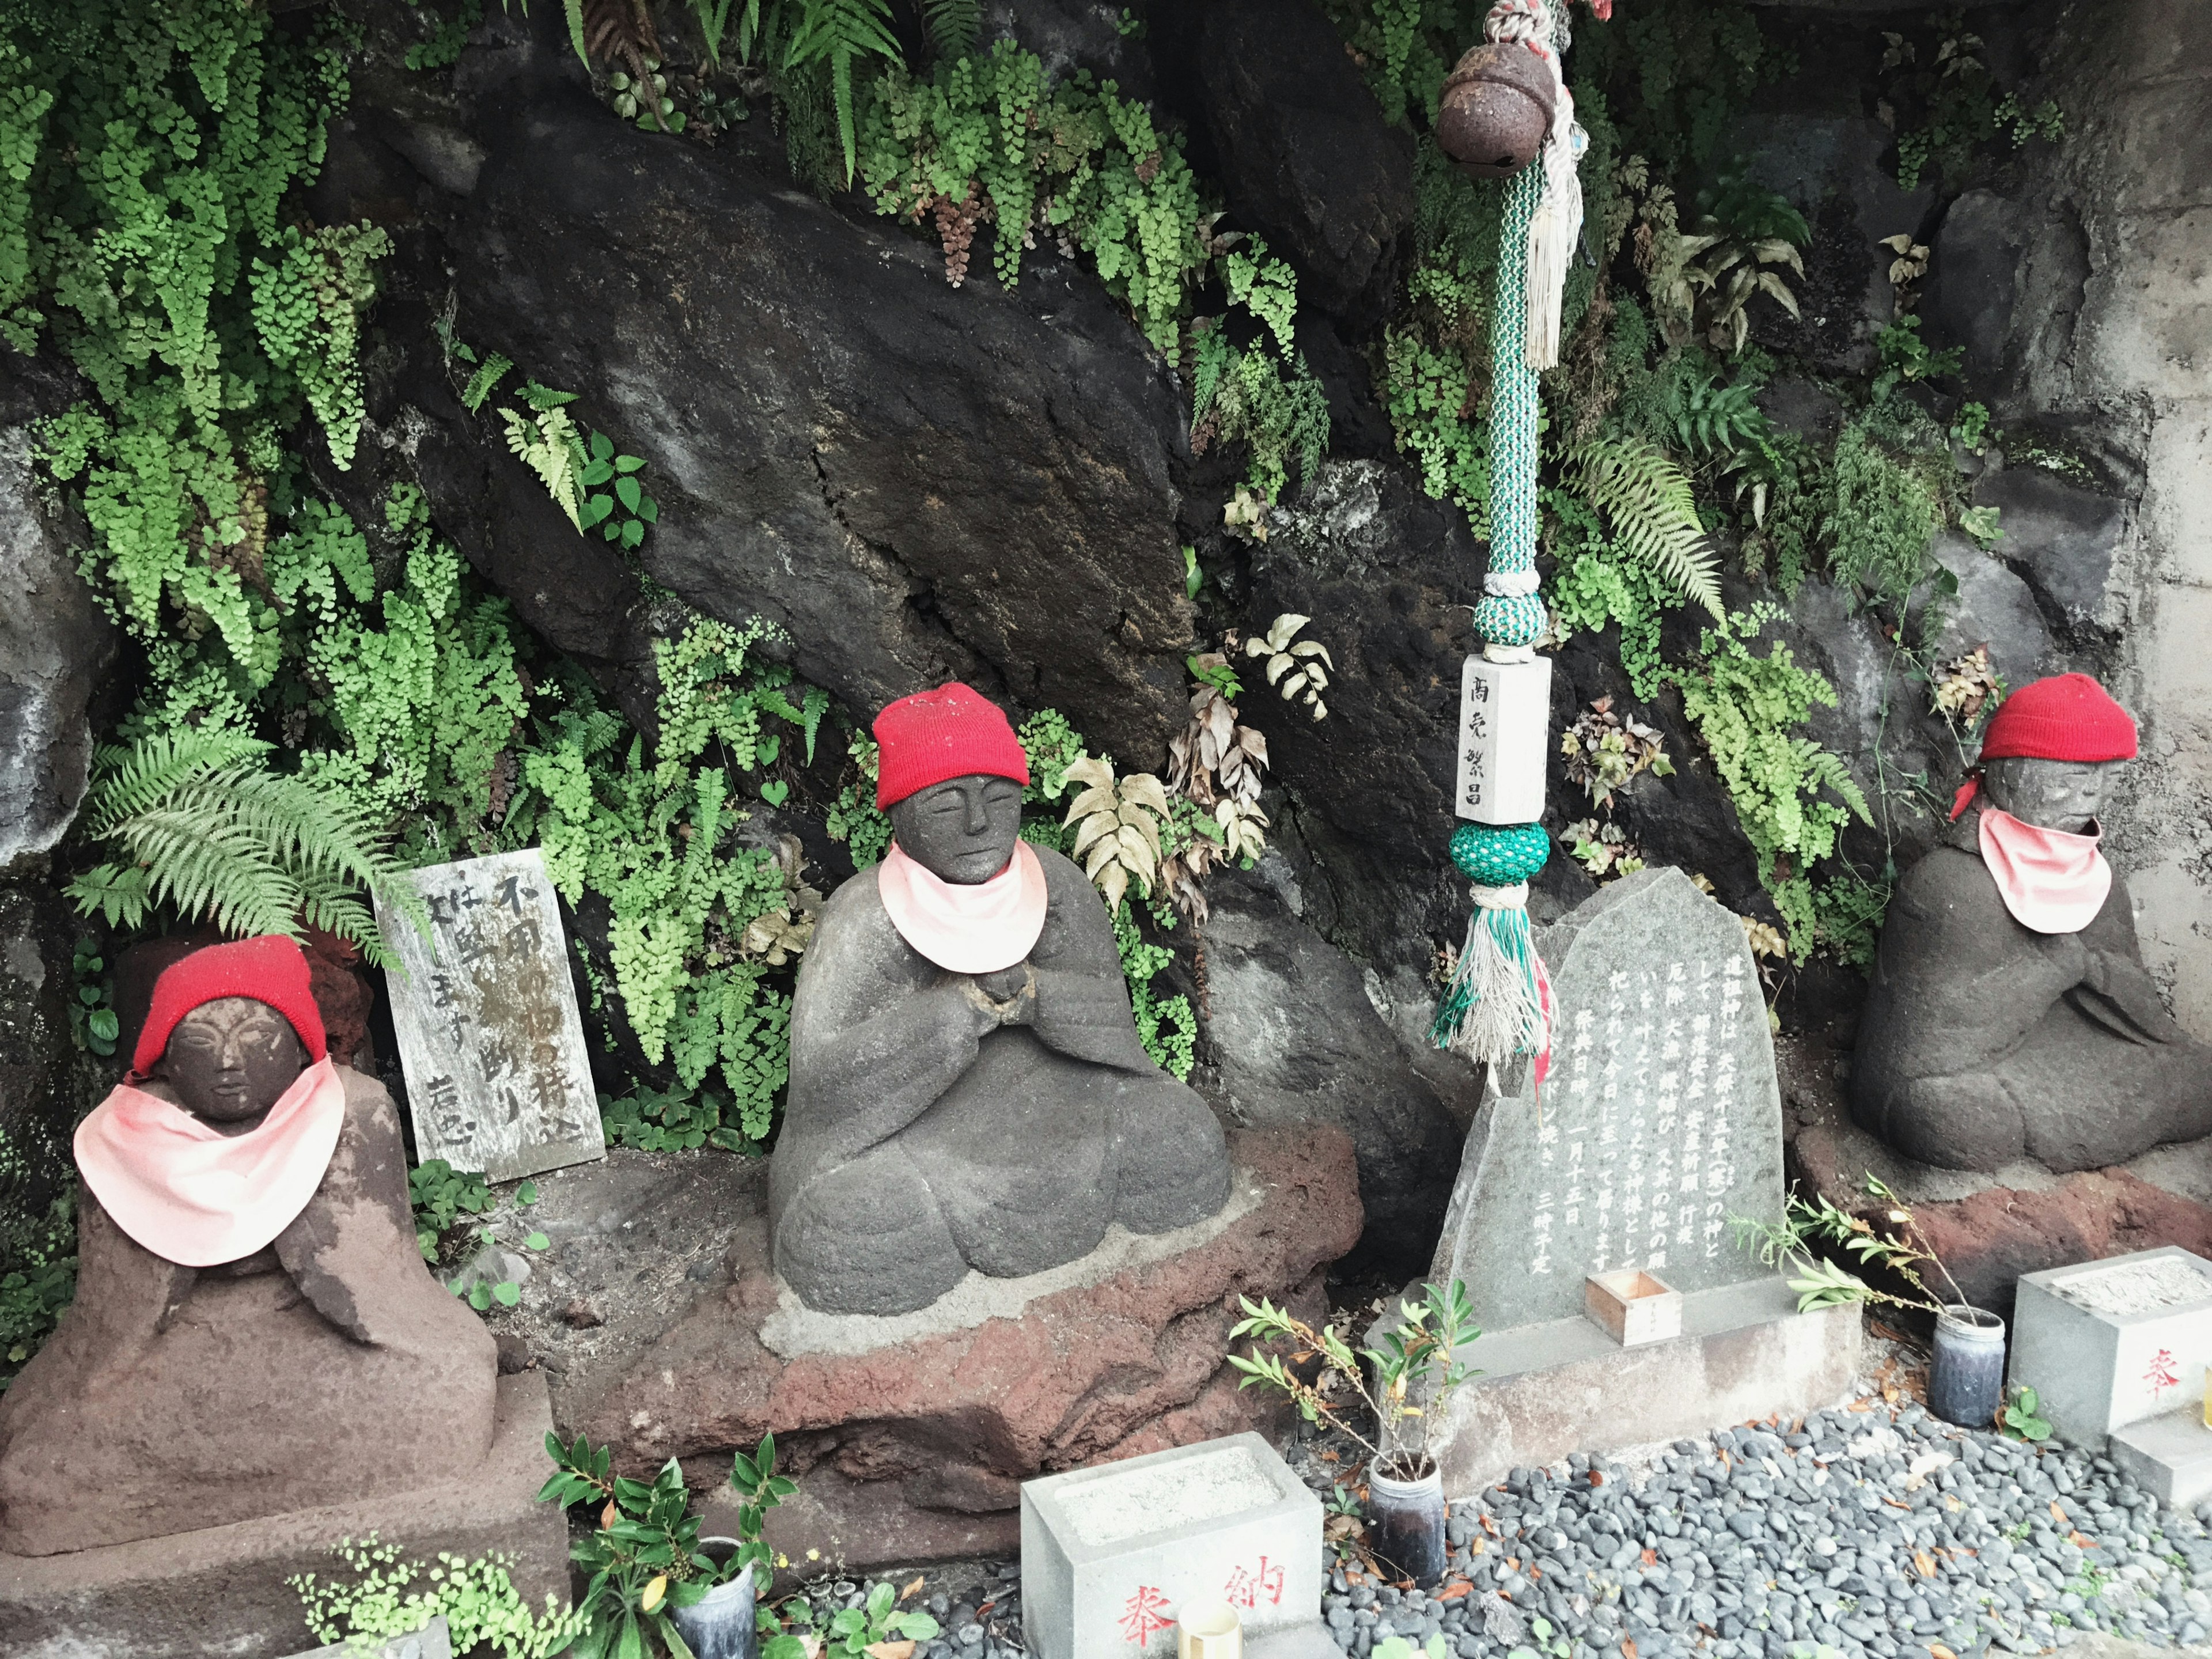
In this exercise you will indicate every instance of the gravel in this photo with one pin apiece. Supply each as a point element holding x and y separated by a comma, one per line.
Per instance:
<point>1872,1534</point>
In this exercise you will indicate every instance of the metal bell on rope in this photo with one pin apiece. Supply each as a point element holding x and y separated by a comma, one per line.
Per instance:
<point>1496,111</point>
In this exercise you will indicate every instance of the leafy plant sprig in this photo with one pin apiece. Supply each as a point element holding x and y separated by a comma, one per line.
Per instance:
<point>848,1633</point>
<point>1824,1283</point>
<point>2020,1418</point>
<point>1414,1371</point>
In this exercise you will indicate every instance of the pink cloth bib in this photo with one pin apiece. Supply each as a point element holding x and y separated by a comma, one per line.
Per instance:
<point>196,1197</point>
<point>2051,881</point>
<point>968,930</point>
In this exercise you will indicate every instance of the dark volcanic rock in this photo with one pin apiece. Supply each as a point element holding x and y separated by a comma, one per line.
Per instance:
<point>36,1052</point>
<point>913,1434</point>
<point>1297,1040</point>
<point>1298,145</point>
<point>918,483</point>
<point>56,650</point>
<point>2060,538</point>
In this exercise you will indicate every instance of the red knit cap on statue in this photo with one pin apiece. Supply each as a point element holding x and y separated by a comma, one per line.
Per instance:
<point>2068,717</point>
<point>270,969</point>
<point>950,732</point>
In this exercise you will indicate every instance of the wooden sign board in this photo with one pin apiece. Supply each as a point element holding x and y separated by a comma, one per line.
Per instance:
<point>490,1035</point>
<point>1504,713</point>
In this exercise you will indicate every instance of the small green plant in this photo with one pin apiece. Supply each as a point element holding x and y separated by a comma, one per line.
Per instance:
<point>1744,239</point>
<point>1604,751</point>
<point>1971,427</point>
<point>1981,524</point>
<point>1945,107</point>
<point>1167,1026</point>
<point>440,1196</point>
<point>210,832</point>
<point>92,1018</point>
<point>1822,1282</point>
<point>620,514</point>
<point>644,1558</point>
<point>848,1633</point>
<point>1648,501</point>
<point>1294,666</point>
<point>1117,827</point>
<point>1906,358</point>
<point>389,1596</point>
<point>1415,1368</point>
<point>41,1285</point>
<point>2020,1419</point>
<point>672,1120</point>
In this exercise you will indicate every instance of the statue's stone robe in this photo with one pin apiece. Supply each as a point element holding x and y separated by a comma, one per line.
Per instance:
<point>913,1148</point>
<point>328,1367</point>
<point>1983,1041</point>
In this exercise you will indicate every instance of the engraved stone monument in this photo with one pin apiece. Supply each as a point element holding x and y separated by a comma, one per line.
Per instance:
<point>1658,1125</point>
<point>1660,1120</point>
<point>497,1075</point>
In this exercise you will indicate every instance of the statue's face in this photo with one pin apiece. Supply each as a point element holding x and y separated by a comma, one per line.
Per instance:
<point>962,831</point>
<point>231,1060</point>
<point>2061,795</point>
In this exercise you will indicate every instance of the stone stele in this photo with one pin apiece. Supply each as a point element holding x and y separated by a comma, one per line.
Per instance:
<point>1659,1123</point>
<point>498,1077</point>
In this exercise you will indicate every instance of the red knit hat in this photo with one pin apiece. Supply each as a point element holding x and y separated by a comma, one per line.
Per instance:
<point>2068,717</point>
<point>270,969</point>
<point>950,732</point>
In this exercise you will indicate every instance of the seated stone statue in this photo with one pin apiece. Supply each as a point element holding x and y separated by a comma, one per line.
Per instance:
<point>2011,1015</point>
<point>967,1090</point>
<point>254,1330</point>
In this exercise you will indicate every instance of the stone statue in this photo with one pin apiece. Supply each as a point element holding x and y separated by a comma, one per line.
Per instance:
<point>2011,1015</point>
<point>967,1090</point>
<point>254,1330</point>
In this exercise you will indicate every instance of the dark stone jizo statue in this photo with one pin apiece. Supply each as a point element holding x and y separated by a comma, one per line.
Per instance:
<point>967,1090</point>
<point>2011,1015</point>
<point>255,1330</point>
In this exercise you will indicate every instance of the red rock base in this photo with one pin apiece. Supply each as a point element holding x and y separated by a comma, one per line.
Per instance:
<point>916,1451</point>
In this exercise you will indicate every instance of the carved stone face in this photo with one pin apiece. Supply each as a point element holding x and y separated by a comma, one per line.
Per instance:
<point>2061,795</point>
<point>231,1060</point>
<point>962,831</point>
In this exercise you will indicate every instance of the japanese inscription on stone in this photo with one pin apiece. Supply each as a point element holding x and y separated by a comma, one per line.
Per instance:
<point>490,1035</point>
<point>1659,1122</point>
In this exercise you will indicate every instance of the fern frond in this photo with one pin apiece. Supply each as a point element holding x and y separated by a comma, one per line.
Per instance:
<point>135,778</point>
<point>952,24</point>
<point>835,32</point>
<point>216,869</point>
<point>1648,501</point>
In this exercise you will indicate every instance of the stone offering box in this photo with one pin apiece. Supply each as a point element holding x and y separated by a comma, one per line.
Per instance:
<point>1110,1555</point>
<point>1632,1307</point>
<point>2118,1350</point>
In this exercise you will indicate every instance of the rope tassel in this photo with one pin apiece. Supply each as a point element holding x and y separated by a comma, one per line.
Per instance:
<point>1497,1002</point>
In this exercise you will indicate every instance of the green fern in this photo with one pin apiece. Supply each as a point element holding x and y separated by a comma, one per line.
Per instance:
<point>211,833</point>
<point>548,443</point>
<point>952,24</point>
<point>1647,498</point>
<point>832,32</point>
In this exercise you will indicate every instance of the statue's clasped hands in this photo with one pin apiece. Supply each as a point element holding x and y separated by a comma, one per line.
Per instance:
<point>1009,995</point>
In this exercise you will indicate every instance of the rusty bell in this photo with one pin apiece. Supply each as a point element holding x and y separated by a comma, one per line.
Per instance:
<point>1496,111</point>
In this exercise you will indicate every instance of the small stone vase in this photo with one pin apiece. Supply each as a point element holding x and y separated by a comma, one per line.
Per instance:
<point>1407,1532</point>
<point>721,1625</point>
<point>1966,1383</point>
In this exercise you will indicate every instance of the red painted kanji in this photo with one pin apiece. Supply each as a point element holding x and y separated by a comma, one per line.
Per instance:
<point>1144,1615</point>
<point>1245,1588</point>
<point>2161,1375</point>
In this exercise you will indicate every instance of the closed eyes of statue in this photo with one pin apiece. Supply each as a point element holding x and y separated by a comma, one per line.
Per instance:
<point>962,830</point>
<point>229,1060</point>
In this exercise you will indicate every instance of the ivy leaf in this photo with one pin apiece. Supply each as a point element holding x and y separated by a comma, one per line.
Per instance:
<point>507,1293</point>
<point>628,463</point>
<point>630,494</point>
<point>775,791</point>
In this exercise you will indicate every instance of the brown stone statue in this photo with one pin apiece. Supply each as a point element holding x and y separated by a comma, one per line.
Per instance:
<point>2011,1015</point>
<point>255,1330</point>
<point>967,1090</point>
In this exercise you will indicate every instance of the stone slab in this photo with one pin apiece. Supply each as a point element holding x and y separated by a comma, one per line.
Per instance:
<point>1565,1386</point>
<point>2169,1455</point>
<point>2109,1343</point>
<point>1660,1122</point>
<point>492,1042</point>
<point>1111,1555</point>
<point>223,1590</point>
<point>433,1641</point>
<point>914,1449</point>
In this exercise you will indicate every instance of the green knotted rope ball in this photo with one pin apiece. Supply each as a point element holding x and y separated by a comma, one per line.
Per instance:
<point>1499,854</point>
<point>1515,619</point>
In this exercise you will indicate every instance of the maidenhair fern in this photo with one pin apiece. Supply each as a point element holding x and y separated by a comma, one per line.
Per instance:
<point>1646,498</point>
<point>210,832</point>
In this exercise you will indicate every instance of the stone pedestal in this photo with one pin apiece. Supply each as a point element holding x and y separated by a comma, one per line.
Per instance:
<point>911,1434</point>
<point>2169,1456</point>
<point>1565,1386</point>
<point>223,1590</point>
<point>1992,1228</point>
<point>2107,1344</point>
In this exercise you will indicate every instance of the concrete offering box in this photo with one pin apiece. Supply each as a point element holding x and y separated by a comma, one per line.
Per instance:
<point>1632,1307</point>
<point>1110,1555</point>
<point>2109,1343</point>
